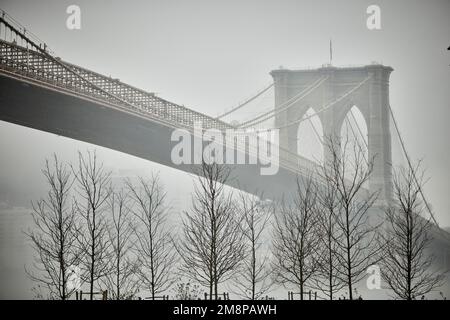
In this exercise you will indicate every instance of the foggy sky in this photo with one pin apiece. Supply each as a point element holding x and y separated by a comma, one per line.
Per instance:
<point>209,55</point>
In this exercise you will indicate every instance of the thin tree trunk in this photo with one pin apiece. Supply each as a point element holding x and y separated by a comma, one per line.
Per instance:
<point>349,260</point>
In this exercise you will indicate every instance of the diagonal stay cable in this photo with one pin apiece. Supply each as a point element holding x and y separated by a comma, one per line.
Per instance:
<point>329,105</point>
<point>408,159</point>
<point>246,101</point>
<point>285,105</point>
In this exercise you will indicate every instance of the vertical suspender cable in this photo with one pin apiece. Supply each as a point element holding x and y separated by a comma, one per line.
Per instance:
<point>410,166</point>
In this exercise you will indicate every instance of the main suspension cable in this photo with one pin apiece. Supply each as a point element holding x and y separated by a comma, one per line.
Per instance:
<point>246,101</point>
<point>284,106</point>
<point>329,105</point>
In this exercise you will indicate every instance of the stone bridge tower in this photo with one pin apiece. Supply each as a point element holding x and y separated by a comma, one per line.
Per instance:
<point>366,87</point>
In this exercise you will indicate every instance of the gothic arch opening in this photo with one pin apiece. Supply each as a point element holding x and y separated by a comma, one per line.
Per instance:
<point>354,139</point>
<point>310,137</point>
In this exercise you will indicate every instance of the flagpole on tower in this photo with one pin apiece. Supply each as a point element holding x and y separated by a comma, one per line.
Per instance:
<point>331,52</point>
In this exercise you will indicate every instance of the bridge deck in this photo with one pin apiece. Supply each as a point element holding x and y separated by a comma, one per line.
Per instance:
<point>29,64</point>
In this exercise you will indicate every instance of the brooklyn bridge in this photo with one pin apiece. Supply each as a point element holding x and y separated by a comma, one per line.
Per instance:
<point>42,91</point>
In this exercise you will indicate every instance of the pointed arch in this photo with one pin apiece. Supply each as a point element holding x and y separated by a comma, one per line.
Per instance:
<point>354,137</point>
<point>354,125</point>
<point>310,137</point>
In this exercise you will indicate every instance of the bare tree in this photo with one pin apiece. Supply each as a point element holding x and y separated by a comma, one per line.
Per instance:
<point>327,279</point>
<point>155,247</point>
<point>121,281</point>
<point>406,266</point>
<point>212,247</point>
<point>295,237</point>
<point>349,171</point>
<point>254,279</point>
<point>55,233</point>
<point>94,191</point>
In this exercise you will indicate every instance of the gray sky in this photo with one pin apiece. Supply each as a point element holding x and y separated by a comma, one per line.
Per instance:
<point>209,55</point>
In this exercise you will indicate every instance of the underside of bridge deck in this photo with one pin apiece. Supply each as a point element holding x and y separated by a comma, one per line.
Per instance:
<point>39,107</point>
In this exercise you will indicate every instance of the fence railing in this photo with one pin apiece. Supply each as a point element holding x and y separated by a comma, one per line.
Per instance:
<point>306,295</point>
<point>163,297</point>
<point>220,296</point>
<point>103,295</point>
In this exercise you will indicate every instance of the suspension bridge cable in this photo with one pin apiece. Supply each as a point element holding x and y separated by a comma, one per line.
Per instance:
<point>316,134</point>
<point>356,139</point>
<point>59,62</point>
<point>5,16</point>
<point>329,105</point>
<point>359,128</point>
<point>285,105</point>
<point>46,53</point>
<point>349,123</point>
<point>351,128</point>
<point>246,101</point>
<point>251,117</point>
<point>315,131</point>
<point>408,159</point>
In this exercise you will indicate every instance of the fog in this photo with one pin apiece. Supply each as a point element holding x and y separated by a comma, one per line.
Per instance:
<point>211,55</point>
